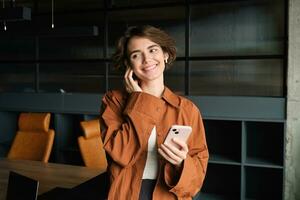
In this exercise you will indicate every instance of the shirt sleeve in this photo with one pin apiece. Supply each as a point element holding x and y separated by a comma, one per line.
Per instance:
<point>127,125</point>
<point>188,180</point>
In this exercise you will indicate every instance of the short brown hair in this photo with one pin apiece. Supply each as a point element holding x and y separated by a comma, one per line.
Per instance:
<point>166,42</point>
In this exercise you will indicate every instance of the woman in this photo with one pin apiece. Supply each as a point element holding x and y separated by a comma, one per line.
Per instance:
<point>136,121</point>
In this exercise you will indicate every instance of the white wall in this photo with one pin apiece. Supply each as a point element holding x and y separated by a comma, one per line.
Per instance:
<point>292,162</point>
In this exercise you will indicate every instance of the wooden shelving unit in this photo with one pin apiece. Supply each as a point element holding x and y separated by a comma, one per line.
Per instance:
<point>231,62</point>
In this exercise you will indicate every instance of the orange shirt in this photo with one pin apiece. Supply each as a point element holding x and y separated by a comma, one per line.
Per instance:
<point>127,121</point>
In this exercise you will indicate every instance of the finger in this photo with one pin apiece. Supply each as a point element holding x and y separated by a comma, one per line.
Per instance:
<point>181,143</point>
<point>128,89</point>
<point>130,78</point>
<point>165,156</point>
<point>126,76</point>
<point>126,73</point>
<point>128,84</point>
<point>130,74</point>
<point>171,154</point>
<point>133,83</point>
<point>180,153</point>
<point>173,151</point>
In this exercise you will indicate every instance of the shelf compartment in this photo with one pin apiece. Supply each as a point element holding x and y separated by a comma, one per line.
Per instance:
<point>245,28</point>
<point>172,22</point>
<point>4,148</point>
<point>220,159</point>
<point>216,182</point>
<point>71,77</point>
<point>223,140</point>
<point>8,127</point>
<point>90,117</point>
<point>246,77</point>
<point>265,141</point>
<point>205,196</point>
<point>256,162</point>
<point>71,156</point>
<point>68,129</point>
<point>174,77</point>
<point>264,183</point>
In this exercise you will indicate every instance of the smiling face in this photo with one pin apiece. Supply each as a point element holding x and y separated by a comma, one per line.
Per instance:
<point>146,59</point>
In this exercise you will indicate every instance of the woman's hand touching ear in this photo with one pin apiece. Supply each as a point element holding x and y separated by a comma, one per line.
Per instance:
<point>131,85</point>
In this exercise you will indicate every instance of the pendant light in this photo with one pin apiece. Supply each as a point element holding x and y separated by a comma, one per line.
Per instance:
<point>52,14</point>
<point>4,22</point>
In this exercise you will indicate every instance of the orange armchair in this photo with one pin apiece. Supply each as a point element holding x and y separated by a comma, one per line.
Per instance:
<point>91,145</point>
<point>34,139</point>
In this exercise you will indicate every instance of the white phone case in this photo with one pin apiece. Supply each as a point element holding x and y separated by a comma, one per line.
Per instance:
<point>178,131</point>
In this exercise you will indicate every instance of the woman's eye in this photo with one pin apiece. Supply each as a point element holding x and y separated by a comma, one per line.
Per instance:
<point>153,50</point>
<point>134,56</point>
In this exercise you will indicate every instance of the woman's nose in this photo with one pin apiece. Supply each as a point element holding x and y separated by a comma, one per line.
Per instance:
<point>146,57</point>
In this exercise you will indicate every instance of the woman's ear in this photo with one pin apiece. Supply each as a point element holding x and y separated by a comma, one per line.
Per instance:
<point>166,57</point>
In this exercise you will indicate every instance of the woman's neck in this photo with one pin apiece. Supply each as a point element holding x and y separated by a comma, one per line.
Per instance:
<point>155,88</point>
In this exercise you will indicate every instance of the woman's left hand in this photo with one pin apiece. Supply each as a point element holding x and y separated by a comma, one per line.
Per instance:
<point>131,85</point>
<point>174,154</point>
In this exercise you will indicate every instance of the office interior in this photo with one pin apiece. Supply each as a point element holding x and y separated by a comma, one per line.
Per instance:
<point>237,60</point>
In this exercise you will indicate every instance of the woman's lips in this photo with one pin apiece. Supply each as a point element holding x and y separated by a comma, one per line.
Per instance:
<point>149,68</point>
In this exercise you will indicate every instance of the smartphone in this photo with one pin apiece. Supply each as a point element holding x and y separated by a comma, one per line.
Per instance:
<point>178,131</point>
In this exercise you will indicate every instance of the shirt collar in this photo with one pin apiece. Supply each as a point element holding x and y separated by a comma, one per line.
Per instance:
<point>170,97</point>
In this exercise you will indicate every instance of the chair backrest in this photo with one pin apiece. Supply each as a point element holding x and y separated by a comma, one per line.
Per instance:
<point>91,145</point>
<point>34,139</point>
<point>21,187</point>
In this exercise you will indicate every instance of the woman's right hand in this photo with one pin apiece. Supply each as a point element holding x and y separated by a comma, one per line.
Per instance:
<point>131,85</point>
